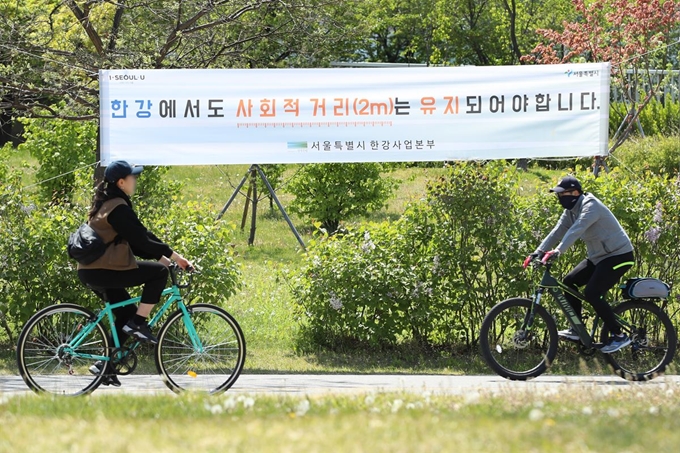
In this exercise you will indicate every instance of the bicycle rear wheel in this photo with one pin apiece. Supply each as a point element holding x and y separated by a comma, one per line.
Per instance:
<point>513,348</point>
<point>47,362</point>
<point>212,368</point>
<point>654,340</point>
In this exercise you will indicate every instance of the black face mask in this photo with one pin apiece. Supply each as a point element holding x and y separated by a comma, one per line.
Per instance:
<point>568,201</point>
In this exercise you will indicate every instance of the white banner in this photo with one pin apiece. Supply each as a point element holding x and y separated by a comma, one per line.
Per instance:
<point>258,116</point>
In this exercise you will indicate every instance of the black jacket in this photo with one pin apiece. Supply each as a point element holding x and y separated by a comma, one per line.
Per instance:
<point>143,242</point>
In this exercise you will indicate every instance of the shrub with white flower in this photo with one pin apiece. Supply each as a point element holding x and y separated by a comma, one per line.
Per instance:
<point>335,301</point>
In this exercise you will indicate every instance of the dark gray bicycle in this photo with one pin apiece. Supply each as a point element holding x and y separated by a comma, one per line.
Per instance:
<point>518,337</point>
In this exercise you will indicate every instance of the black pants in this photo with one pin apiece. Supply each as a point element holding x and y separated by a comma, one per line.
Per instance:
<point>598,279</point>
<point>110,286</point>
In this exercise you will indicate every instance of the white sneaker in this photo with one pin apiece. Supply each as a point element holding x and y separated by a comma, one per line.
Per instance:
<point>569,334</point>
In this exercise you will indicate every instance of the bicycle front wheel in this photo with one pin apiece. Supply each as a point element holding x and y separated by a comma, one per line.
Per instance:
<point>654,340</point>
<point>517,344</point>
<point>211,364</point>
<point>47,361</point>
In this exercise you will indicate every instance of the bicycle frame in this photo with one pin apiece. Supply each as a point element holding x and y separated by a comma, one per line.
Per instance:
<point>556,289</point>
<point>173,297</point>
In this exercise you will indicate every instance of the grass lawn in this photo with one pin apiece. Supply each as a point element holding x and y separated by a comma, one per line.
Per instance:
<point>591,419</point>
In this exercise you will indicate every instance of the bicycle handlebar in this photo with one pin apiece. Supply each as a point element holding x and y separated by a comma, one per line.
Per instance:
<point>537,261</point>
<point>177,272</point>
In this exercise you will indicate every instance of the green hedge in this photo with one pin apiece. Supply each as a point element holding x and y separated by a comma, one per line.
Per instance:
<point>431,276</point>
<point>659,155</point>
<point>657,118</point>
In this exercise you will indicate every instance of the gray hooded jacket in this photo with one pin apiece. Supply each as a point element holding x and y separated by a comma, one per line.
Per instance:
<point>593,222</point>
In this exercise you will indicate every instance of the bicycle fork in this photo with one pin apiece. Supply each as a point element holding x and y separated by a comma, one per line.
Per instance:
<point>191,329</point>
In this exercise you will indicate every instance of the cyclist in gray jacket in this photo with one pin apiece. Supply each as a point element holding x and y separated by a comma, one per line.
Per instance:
<point>609,254</point>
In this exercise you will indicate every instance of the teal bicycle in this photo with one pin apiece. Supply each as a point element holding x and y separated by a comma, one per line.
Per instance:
<point>519,340</point>
<point>200,346</point>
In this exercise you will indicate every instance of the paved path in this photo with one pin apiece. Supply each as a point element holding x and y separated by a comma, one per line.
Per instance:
<point>314,384</point>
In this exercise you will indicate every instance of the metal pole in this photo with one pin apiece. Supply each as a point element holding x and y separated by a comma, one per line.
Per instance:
<point>253,182</point>
<point>278,203</point>
<point>233,195</point>
<point>245,206</point>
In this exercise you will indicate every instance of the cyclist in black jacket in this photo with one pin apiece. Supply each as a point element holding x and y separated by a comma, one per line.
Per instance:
<point>113,218</point>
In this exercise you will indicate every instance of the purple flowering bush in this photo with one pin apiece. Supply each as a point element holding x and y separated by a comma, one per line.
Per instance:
<point>431,276</point>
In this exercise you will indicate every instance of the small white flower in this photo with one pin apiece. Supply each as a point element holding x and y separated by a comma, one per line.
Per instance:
<point>587,411</point>
<point>28,209</point>
<point>614,413</point>
<point>653,410</point>
<point>248,402</point>
<point>216,409</point>
<point>229,403</point>
<point>472,398</point>
<point>535,415</point>
<point>396,405</point>
<point>369,400</point>
<point>336,303</point>
<point>302,407</point>
<point>367,247</point>
<point>368,244</point>
<point>658,212</point>
<point>435,261</point>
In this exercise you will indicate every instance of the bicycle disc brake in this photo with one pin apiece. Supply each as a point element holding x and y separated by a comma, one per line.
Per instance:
<point>123,361</point>
<point>521,339</point>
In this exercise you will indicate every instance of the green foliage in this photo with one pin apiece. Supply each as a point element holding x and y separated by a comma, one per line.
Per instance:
<point>329,193</point>
<point>431,276</point>
<point>658,155</point>
<point>454,32</point>
<point>37,271</point>
<point>191,230</point>
<point>59,146</point>
<point>657,118</point>
<point>4,157</point>
<point>274,174</point>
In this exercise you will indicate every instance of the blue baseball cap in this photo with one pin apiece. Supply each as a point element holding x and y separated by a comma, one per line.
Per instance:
<point>120,169</point>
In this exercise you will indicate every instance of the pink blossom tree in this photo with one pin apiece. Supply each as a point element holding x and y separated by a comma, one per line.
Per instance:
<point>635,36</point>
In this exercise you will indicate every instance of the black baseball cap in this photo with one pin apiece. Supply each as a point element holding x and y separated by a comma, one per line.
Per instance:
<point>120,169</point>
<point>567,183</point>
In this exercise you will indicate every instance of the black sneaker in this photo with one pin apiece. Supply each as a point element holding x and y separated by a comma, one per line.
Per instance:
<point>109,379</point>
<point>140,332</point>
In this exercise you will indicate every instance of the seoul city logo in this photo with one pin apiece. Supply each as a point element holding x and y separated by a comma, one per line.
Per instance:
<point>127,77</point>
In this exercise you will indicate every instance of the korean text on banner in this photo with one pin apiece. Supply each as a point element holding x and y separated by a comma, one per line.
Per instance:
<point>245,116</point>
